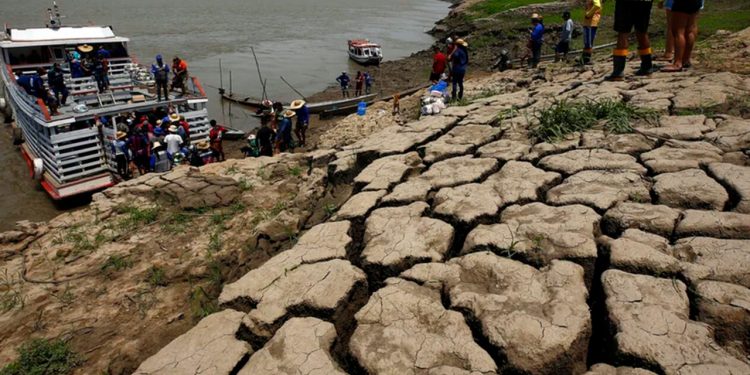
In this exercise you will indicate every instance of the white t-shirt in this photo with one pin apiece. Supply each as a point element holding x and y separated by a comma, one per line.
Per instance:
<point>173,142</point>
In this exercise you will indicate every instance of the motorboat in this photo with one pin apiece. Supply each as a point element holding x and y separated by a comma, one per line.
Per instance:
<point>365,52</point>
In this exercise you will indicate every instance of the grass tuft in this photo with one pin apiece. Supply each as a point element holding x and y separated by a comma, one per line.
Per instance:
<point>564,117</point>
<point>156,277</point>
<point>43,357</point>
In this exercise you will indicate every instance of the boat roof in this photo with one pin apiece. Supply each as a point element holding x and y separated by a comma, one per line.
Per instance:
<point>59,36</point>
<point>363,43</point>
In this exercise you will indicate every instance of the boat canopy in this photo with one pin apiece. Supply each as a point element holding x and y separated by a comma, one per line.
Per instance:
<point>59,36</point>
<point>363,43</point>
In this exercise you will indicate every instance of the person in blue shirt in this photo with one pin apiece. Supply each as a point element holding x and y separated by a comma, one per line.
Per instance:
<point>284,134</point>
<point>536,40</point>
<point>368,83</point>
<point>343,80</point>
<point>160,71</point>
<point>459,63</point>
<point>103,52</point>
<point>56,81</point>
<point>303,120</point>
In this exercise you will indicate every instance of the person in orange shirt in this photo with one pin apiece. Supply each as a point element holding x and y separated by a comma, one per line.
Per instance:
<point>591,17</point>
<point>179,67</point>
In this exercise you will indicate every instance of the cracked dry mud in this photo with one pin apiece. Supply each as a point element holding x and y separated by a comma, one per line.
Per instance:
<point>465,246</point>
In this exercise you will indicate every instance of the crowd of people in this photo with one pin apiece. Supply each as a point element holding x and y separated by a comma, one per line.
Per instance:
<point>156,141</point>
<point>361,80</point>
<point>275,133</point>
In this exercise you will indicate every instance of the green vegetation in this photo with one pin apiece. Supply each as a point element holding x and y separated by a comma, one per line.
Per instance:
<point>43,357</point>
<point>177,223</point>
<point>135,217</point>
<point>116,263</point>
<point>729,15</point>
<point>295,171</point>
<point>490,7</point>
<point>245,185</point>
<point>11,292</point>
<point>202,304</point>
<point>565,117</point>
<point>156,277</point>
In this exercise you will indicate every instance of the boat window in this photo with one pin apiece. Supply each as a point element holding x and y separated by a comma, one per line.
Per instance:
<point>29,55</point>
<point>58,52</point>
<point>367,52</point>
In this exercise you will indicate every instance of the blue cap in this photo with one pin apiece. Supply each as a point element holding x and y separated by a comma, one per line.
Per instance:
<point>158,57</point>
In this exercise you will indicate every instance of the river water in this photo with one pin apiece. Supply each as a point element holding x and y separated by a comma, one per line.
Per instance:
<point>302,40</point>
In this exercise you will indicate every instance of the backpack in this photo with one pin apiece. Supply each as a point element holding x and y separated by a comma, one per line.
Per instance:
<point>195,159</point>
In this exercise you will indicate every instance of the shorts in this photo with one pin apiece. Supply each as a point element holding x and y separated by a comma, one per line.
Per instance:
<point>563,47</point>
<point>631,14</point>
<point>687,6</point>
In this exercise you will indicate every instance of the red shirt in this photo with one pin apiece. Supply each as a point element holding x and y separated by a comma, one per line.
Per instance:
<point>215,133</point>
<point>439,63</point>
<point>185,126</point>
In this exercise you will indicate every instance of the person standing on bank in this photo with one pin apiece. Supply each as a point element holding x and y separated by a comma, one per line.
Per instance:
<point>563,46</point>
<point>160,71</point>
<point>303,120</point>
<point>359,83</point>
<point>284,134</point>
<point>684,18</point>
<point>216,136</point>
<point>629,15</point>
<point>368,83</point>
<point>343,80</point>
<point>459,64</point>
<point>669,47</point>
<point>265,139</point>
<point>439,62</point>
<point>591,17</point>
<point>536,40</point>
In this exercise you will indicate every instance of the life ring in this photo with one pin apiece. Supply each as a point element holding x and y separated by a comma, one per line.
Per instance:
<point>38,168</point>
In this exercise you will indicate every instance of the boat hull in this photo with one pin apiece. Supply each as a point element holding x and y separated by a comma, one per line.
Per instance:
<point>366,60</point>
<point>314,108</point>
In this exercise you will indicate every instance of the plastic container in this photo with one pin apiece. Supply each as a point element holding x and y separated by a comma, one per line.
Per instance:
<point>361,108</point>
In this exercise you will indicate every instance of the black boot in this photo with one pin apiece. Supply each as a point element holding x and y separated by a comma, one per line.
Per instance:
<point>618,74</point>
<point>647,65</point>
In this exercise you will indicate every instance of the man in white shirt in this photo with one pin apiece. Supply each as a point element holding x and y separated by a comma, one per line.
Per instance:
<point>563,46</point>
<point>173,141</point>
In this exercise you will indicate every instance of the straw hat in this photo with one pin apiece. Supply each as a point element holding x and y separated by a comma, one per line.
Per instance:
<point>157,144</point>
<point>297,104</point>
<point>203,145</point>
<point>85,48</point>
<point>536,16</point>
<point>121,135</point>
<point>289,114</point>
<point>172,129</point>
<point>462,42</point>
<point>174,117</point>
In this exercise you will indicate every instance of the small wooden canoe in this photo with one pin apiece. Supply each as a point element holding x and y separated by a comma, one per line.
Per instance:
<point>314,108</point>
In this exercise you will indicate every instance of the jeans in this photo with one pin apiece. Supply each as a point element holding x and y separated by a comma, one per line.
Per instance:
<point>536,54</point>
<point>458,80</point>
<point>589,34</point>
<point>162,86</point>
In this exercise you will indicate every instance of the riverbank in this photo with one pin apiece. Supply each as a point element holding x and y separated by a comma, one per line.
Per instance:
<point>409,245</point>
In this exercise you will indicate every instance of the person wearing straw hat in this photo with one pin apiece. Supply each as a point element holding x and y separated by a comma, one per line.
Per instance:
<point>85,48</point>
<point>299,106</point>
<point>536,40</point>
<point>122,154</point>
<point>459,64</point>
<point>159,161</point>
<point>284,134</point>
<point>205,152</point>
<point>173,141</point>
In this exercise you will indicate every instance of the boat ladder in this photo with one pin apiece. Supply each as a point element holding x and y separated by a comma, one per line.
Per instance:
<point>101,99</point>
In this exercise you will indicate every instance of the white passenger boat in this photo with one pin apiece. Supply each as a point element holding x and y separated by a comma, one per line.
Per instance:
<point>365,52</point>
<point>67,151</point>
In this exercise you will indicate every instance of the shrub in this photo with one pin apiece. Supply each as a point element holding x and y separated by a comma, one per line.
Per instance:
<point>43,357</point>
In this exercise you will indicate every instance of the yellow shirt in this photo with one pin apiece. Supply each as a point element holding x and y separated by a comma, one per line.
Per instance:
<point>593,13</point>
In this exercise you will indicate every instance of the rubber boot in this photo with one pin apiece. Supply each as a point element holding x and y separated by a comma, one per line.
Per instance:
<point>618,74</point>
<point>647,63</point>
<point>586,57</point>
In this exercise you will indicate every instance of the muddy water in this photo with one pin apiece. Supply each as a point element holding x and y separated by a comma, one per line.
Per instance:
<point>302,40</point>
